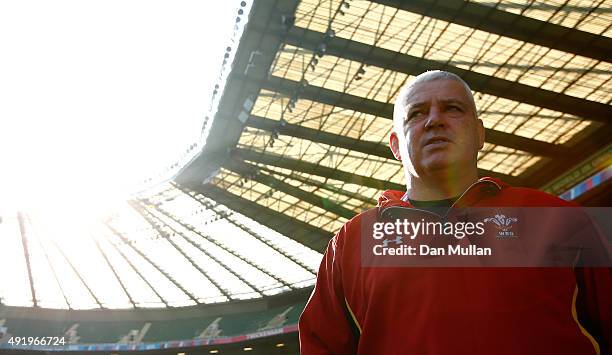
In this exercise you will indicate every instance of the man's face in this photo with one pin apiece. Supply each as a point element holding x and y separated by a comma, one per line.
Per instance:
<point>440,129</point>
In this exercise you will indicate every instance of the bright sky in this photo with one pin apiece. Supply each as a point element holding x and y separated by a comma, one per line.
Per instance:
<point>96,96</point>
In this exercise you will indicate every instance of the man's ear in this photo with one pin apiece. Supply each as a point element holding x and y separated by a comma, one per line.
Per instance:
<point>394,144</point>
<point>481,133</point>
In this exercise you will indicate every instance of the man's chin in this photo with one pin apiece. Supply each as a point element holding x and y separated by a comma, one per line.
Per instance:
<point>436,165</point>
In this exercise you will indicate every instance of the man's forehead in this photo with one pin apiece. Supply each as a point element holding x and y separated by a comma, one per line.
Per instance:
<point>441,89</point>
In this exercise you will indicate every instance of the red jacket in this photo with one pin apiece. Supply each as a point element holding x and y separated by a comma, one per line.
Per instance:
<point>402,310</point>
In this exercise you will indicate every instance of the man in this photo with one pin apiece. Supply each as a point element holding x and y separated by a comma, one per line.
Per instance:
<point>475,310</point>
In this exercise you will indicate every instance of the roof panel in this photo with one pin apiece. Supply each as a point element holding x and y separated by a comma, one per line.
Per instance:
<point>173,295</point>
<point>497,113</point>
<point>94,271</point>
<point>529,121</point>
<point>48,290</point>
<point>585,15</point>
<point>352,196</point>
<point>278,201</point>
<point>324,155</point>
<point>223,238</point>
<point>141,293</point>
<point>338,74</point>
<point>324,117</point>
<point>461,46</point>
<point>505,160</point>
<point>329,194</point>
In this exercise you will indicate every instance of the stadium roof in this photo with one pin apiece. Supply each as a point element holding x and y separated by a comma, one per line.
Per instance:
<point>307,113</point>
<point>171,248</point>
<point>299,144</point>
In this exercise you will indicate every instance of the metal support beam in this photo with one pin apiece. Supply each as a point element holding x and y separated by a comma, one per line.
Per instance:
<point>110,265</point>
<point>202,250</point>
<point>78,274</point>
<point>157,224</point>
<point>308,180</point>
<point>53,271</point>
<point>133,267</point>
<point>144,256</point>
<point>300,231</point>
<point>315,169</point>
<point>319,136</point>
<point>196,231</point>
<point>26,254</point>
<point>243,168</point>
<point>231,220</point>
<point>503,23</point>
<point>412,65</point>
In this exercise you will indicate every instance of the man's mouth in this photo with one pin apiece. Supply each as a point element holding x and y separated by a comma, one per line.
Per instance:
<point>436,141</point>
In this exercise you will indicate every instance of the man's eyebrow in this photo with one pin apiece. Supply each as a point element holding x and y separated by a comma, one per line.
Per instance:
<point>412,105</point>
<point>455,101</point>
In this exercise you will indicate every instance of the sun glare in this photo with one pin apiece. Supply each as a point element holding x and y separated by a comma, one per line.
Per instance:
<point>96,97</point>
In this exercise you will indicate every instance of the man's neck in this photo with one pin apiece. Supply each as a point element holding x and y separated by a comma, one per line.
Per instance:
<point>439,186</point>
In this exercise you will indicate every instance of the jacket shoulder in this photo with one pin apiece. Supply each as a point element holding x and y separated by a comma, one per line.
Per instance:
<point>352,228</point>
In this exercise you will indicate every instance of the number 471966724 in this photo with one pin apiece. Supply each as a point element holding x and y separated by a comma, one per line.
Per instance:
<point>37,341</point>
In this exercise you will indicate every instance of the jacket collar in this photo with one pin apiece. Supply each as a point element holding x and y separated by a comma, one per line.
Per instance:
<point>483,187</point>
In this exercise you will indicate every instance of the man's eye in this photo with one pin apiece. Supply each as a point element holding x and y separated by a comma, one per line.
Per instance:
<point>414,114</point>
<point>454,108</point>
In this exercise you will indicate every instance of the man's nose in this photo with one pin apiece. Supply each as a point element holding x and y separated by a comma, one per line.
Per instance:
<point>434,119</point>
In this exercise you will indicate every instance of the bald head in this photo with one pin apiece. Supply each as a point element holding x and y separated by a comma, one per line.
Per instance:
<point>399,110</point>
